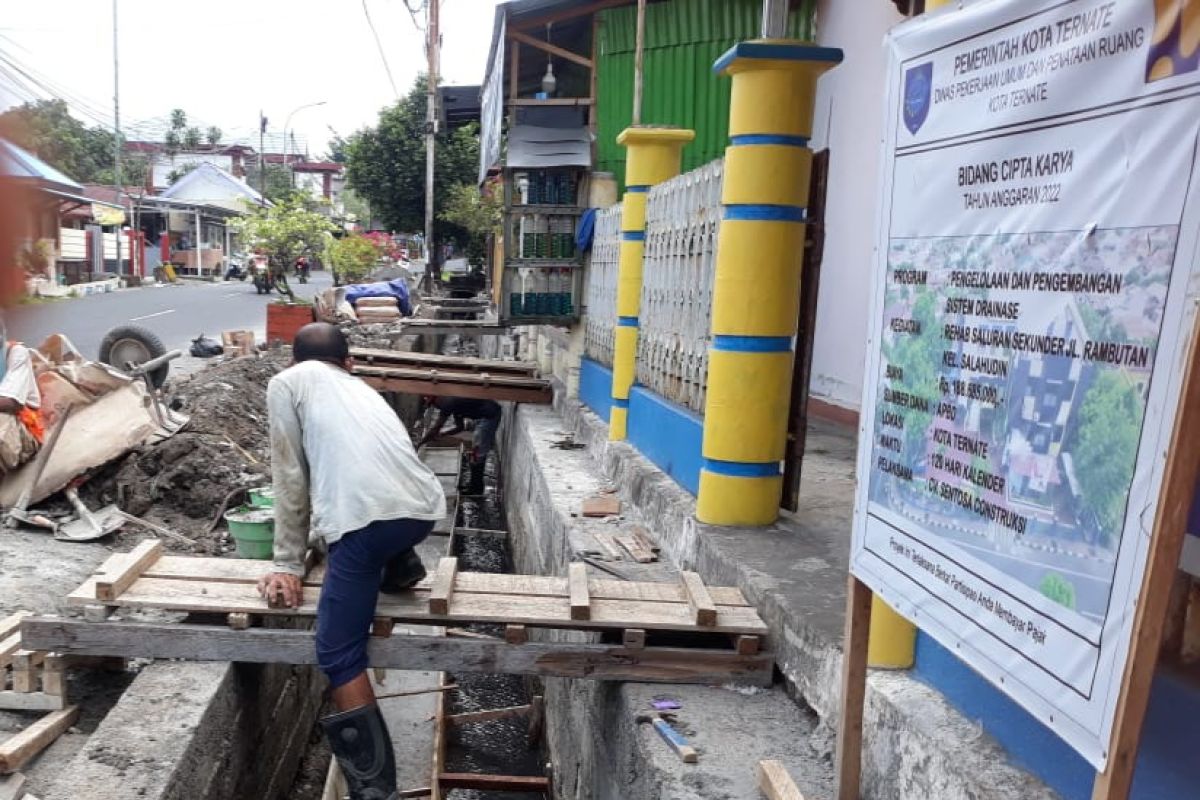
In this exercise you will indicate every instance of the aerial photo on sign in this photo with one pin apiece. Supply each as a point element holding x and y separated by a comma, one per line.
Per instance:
<point>1013,390</point>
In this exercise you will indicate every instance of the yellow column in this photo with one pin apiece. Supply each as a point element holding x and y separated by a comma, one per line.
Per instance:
<point>653,156</point>
<point>756,294</point>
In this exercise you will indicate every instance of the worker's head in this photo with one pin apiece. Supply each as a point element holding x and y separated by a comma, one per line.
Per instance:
<point>320,341</point>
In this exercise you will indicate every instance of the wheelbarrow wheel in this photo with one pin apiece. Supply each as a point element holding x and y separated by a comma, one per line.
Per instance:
<point>130,345</point>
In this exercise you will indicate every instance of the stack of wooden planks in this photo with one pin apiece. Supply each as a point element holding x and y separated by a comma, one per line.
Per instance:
<point>450,376</point>
<point>30,680</point>
<point>726,629</point>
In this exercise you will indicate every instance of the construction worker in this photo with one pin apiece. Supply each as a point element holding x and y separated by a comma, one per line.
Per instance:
<point>21,431</point>
<point>343,464</point>
<point>486,413</point>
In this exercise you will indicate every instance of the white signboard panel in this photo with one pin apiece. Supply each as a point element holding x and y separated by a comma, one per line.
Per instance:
<point>1036,249</point>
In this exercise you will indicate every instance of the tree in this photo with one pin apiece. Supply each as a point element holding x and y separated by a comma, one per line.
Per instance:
<point>386,166</point>
<point>174,175</point>
<point>353,257</point>
<point>192,138</point>
<point>1105,448</point>
<point>283,232</point>
<point>173,142</point>
<point>47,129</point>
<point>477,213</point>
<point>178,119</point>
<point>279,181</point>
<point>213,135</point>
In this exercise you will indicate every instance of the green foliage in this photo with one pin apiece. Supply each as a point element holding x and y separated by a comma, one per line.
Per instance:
<point>178,119</point>
<point>174,175</point>
<point>1058,589</point>
<point>47,129</point>
<point>385,165</point>
<point>35,257</point>
<point>283,232</point>
<point>1110,421</point>
<point>478,214</point>
<point>353,257</point>
<point>192,138</point>
<point>213,135</point>
<point>279,181</point>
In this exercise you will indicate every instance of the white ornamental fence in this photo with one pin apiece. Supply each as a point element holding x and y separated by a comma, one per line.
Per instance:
<point>682,218</point>
<point>601,290</point>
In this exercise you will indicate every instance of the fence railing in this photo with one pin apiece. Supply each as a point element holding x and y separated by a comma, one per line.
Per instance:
<point>682,218</point>
<point>601,290</point>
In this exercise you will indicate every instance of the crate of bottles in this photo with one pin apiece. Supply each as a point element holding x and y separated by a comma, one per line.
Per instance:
<point>543,292</point>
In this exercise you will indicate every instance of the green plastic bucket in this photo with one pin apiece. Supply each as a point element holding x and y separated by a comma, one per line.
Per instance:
<point>262,497</point>
<point>253,530</point>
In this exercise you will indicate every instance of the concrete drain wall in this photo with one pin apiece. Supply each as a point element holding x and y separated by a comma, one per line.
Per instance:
<point>186,731</point>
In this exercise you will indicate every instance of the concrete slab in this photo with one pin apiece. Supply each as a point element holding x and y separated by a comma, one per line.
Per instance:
<point>794,572</point>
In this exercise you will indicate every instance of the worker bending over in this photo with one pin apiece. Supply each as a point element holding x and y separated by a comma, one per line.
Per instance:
<point>21,430</point>
<point>343,464</point>
<point>486,414</point>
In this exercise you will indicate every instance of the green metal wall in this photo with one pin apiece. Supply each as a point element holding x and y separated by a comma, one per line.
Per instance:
<point>683,40</point>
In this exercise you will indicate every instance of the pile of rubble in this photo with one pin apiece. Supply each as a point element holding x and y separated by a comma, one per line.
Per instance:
<point>185,481</point>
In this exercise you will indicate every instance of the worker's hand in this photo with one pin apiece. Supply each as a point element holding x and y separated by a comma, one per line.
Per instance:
<point>284,585</point>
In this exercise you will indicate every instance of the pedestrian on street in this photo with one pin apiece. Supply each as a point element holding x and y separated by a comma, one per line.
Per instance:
<point>486,414</point>
<point>344,467</point>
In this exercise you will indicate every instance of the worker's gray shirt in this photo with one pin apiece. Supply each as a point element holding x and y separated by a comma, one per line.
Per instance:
<point>341,459</point>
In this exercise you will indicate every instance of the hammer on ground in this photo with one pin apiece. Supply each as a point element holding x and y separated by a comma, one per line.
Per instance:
<point>674,739</point>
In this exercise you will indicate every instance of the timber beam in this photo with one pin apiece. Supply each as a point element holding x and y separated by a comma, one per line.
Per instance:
<point>601,662</point>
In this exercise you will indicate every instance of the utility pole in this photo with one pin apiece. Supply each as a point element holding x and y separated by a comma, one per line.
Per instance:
<point>433,46</point>
<point>639,55</point>
<point>262,158</point>
<point>116,143</point>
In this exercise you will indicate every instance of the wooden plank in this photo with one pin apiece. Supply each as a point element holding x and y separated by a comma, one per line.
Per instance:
<point>747,645</point>
<point>632,546</point>
<point>442,588</point>
<point>439,741</point>
<point>848,768</point>
<point>775,782</point>
<point>547,47</point>
<point>451,376</point>
<point>17,751</point>
<point>8,647</point>
<point>542,395</point>
<point>553,102</point>
<point>601,505</point>
<point>634,638</point>
<point>12,787</point>
<point>493,783</point>
<point>413,606</point>
<point>110,584</point>
<point>372,357</point>
<point>1166,542</point>
<point>704,610</point>
<point>247,572</point>
<point>577,586</point>
<point>12,624</point>
<point>483,533</point>
<point>382,627</point>
<point>472,717</point>
<point>54,675</point>
<point>408,652</point>
<point>674,739</point>
<point>516,634</point>
<point>31,701</point>
<point>643,536</point>
<point>605,540</point>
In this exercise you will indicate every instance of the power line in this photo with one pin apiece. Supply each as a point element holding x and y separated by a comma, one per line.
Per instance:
<point>379,44</point>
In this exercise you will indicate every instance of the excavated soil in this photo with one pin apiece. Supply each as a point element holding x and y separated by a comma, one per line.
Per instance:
<point>185,481</point>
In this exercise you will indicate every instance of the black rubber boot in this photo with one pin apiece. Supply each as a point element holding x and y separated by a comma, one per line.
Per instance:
<point>475,483</point>
<point>360,742</point>
<point>402,573</point>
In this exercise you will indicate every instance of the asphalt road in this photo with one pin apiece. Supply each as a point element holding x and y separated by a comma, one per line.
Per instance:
<point>178,313</point>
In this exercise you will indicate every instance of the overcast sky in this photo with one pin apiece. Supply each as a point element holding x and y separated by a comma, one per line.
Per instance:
<point>223,60</point>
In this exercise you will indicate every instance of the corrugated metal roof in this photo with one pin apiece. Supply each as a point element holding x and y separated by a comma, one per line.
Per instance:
<point>683,40</point>
<point>20,164</point>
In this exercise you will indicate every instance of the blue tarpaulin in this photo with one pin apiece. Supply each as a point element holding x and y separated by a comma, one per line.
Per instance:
<point>397,288</point>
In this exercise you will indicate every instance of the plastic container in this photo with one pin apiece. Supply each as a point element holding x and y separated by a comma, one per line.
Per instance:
<point>262,497</point>
<point>253,530</point>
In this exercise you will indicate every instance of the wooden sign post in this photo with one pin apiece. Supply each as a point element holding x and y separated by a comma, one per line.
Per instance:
<point>1166,542</point>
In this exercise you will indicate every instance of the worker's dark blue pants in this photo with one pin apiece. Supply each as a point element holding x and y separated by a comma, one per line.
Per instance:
<point>352,577</point>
